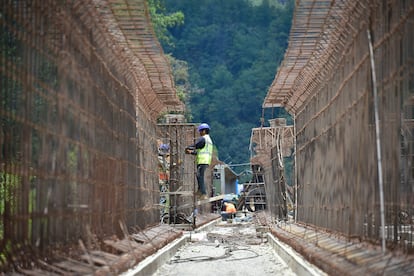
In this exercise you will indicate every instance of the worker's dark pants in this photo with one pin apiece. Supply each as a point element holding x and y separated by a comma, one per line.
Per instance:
<point>225,216</point>
<point>201,168</point>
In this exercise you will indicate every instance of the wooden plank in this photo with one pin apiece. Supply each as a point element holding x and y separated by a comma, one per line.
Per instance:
<point>123,245</point>
<point>94,259</point>
<point>185,227</point>
<point>183,193</point>
<point>98,259</point>
<point>53,268</point>
<point>35,272</point>
<point>211,199</point>
<point>201,202</point>
<point>150,234</point>
<point>75,266</point>
<point>107,256</point>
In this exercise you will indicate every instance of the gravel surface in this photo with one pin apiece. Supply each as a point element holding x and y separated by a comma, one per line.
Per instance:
<point>230,248</point>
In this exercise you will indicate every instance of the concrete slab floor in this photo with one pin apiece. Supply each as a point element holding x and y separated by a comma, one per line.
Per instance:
<point>224,248</point>
<point>242,246</point>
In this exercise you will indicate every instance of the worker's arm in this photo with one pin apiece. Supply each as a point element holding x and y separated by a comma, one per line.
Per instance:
<point>201,142</point>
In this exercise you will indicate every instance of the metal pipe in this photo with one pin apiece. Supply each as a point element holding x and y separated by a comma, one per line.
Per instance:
<point>378,141</point>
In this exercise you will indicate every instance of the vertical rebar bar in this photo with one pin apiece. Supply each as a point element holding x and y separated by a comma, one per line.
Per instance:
<point>378,141</point>
<point>295,168</point>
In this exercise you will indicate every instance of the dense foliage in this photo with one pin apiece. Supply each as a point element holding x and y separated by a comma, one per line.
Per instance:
<point>232,49</point>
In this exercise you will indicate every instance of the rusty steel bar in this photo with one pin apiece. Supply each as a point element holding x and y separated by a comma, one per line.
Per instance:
<point>378,139</point>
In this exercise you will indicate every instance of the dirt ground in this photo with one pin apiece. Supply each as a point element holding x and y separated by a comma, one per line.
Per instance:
<point>230,248</point>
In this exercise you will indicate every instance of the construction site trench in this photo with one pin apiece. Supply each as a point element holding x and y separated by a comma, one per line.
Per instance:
<point>236,246</point>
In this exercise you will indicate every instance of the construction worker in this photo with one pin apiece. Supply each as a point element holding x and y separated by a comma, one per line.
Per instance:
<point>203,148</point>
<point>229,211</point>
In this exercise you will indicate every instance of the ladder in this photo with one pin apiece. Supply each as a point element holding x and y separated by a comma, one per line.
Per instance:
<point>253,197</point>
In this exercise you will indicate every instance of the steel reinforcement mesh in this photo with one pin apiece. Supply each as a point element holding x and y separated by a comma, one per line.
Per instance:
<point>273,149</point>
<point>177,191</point>
<point>80,92</point>
<point>330,92</point>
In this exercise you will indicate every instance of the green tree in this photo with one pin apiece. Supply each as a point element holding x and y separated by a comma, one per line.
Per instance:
<point>162,21</point>
<point>232,49</point>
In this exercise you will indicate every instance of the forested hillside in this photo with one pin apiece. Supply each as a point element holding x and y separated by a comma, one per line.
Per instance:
<point>232,49</point>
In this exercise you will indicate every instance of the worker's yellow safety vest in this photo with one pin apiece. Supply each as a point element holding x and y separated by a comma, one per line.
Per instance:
<point>205,154</point>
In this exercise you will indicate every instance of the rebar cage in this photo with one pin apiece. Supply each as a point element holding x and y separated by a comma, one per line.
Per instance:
<point>326,82</point>
<point>82,83</point>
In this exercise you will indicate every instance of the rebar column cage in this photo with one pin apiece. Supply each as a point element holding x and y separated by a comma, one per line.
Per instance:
<point>81,86</point>
<point>325,81</point>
